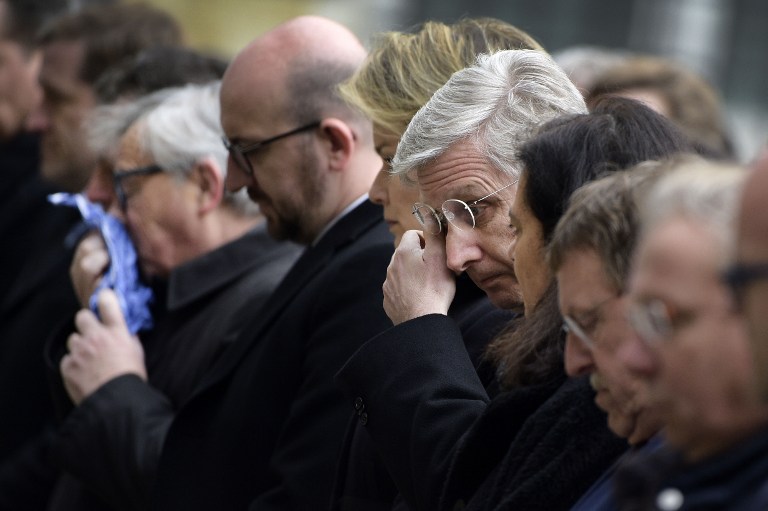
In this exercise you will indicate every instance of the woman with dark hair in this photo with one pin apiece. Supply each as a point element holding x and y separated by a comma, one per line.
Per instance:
<point>564,155</point>
<point>542,442</point>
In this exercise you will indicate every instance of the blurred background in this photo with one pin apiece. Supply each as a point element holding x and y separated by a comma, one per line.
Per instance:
<point>725,41</point>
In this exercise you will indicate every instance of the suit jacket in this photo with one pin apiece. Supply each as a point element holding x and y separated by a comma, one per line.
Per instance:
<point>264,426</point>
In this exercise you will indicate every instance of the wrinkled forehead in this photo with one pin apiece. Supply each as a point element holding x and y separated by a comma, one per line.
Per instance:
<point>461,171</point>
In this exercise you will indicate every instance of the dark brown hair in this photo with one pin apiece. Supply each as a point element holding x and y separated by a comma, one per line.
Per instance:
<point>111,33</point>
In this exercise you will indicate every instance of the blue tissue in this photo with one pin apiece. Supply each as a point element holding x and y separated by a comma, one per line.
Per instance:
<point>122,275</point>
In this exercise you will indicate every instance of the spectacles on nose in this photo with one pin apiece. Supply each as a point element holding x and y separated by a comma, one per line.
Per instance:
<point>239,153</point>
<point>570,325</point>
<point>655,320</point>
<point>458,213</point>
<point>120,175</point>
<point>739,276</point>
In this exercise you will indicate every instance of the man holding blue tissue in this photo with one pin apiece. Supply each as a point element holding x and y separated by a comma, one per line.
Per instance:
<point>212,250</point>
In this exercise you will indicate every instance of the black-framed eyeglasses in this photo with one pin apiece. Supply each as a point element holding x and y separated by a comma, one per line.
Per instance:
<point>740,275</point>
<point>120,175</point>
<point>458,213</point>
<point>239,153</point>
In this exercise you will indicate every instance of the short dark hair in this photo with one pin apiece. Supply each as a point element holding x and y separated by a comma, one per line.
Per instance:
<point>112,32</point>
<point>568,152</point>
<point>24,18</point>
<point>157,68</point>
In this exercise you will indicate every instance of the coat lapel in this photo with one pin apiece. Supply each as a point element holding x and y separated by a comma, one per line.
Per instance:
<point>309,265</point>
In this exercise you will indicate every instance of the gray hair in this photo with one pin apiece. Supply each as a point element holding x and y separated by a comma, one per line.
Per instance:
<point>496,103</point>
<point>704,192</point>
<point>108,123</point>
<point>177,127</point>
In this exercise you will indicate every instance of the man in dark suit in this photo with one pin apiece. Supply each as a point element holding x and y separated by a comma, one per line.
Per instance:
<point>264,425</point>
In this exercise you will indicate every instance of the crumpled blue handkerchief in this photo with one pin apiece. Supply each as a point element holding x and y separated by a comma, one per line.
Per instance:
<point>122,275</point>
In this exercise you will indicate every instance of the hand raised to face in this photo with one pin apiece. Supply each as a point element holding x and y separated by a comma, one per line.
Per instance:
<point>418,280</point>
<point>88,266</point>
<point>100,350</point>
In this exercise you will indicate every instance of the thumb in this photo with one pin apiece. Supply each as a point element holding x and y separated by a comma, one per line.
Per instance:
<point>412,241</point>
<point>109,309</point>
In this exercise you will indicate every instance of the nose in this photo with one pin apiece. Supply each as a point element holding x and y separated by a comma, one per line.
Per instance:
<point>378,192</point>
<point>114,210</point>
<point>39,120</point>
<point>236,177</point>
<point>461,249</point>
<point>578,358</point>
<point>100,187</point>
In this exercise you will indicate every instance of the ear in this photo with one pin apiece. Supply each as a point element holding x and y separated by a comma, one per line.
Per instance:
<point>341,140</point>
<point>210,183</point>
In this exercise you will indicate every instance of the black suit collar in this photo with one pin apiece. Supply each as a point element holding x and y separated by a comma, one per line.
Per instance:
<point>348,229</point>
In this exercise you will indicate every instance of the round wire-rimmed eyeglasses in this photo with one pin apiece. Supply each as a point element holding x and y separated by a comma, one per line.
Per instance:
<point>456,212</point>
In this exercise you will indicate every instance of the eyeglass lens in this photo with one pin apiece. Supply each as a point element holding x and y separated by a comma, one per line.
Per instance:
<point>650,320</point>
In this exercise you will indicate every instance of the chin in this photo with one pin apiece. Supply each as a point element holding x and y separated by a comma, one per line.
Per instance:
<point>504,300</point>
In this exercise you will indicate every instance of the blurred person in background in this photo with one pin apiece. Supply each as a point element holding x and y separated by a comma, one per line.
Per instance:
<point>37,257</point>
<point>398,77</point>
<point>673,91</point>
<point>152,69</point>
<point>77,48</point>
<point>692,353</point>
<point>585,64</point>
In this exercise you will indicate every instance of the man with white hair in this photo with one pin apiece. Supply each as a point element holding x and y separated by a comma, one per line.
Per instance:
<point>212,249</point>
<point>462,149</point>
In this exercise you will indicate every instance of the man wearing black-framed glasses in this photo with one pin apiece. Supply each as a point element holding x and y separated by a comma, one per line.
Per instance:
<point>264,427</point>
<point>748,276</point>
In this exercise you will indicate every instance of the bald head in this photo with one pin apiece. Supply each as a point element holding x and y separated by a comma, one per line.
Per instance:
<point>317,155</point>
<point>311,37</point>
<point>295,68</point>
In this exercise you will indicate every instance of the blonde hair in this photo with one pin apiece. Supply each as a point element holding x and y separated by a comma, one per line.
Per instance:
<point>403,70</point>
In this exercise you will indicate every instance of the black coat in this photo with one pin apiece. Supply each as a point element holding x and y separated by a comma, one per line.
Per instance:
<point>447,444</point>
<point>110,445</point>
<point>538,448</point>
<point>362,480</point>
<point>733,480</point>
<point>35,298</point>
<point>265,425</point>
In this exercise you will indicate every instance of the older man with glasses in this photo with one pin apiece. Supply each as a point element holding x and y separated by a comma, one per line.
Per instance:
<point>213,265</point>
<point>692,353</point>
<point>590,254</point>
